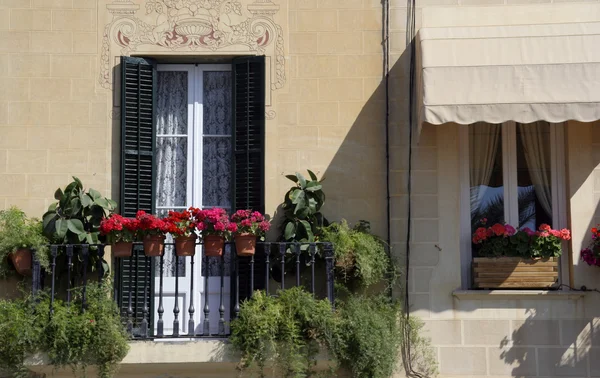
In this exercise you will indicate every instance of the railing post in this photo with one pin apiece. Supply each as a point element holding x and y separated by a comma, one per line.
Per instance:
<point>85,249</point>
<point>69,269</point>
<point>100,259</point>
<point>329,260</point>
<point>222,303</point>
<point>313,252</point>
<point>53,253</point>
<point>267,265</point>
<point>36,273</point>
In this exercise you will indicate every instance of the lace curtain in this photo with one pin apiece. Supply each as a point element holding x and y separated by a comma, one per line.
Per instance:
<point>172,150</point>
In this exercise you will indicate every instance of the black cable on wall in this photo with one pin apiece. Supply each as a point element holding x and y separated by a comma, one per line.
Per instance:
<point>410,43</point>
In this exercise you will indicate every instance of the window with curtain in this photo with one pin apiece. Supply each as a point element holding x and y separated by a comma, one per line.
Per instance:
<point>514,172</point>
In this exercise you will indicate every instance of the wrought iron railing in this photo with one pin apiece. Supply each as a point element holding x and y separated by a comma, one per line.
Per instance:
<point>144,273</point>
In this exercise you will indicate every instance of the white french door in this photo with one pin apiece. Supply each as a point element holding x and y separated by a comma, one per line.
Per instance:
<point>193,168</point>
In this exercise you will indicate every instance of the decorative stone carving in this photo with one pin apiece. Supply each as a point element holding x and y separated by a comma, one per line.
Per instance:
<point>203,26</point>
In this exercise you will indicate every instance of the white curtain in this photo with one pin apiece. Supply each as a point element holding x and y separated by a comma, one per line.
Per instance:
<point>484,140</point>
<point>536,142</point>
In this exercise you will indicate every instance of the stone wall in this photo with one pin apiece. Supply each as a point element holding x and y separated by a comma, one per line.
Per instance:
<point>478,335</point>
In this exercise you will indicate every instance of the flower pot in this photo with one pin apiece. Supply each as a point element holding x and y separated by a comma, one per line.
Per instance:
<point>154,245</point>
<point>515,273</point>
<point>21,260</point>
<point>185,245</point>
<point>122,249</point>
<point>245,244</point>
<point>213,245</point>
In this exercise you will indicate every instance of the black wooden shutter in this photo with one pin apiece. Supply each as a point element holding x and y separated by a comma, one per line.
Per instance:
<point>138,107</point>
<point>249,154</point>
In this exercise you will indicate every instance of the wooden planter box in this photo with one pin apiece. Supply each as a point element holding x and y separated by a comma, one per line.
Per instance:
<point>514,273</point>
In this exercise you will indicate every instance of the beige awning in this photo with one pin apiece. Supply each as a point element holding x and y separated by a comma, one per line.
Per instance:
<point>522,73</point>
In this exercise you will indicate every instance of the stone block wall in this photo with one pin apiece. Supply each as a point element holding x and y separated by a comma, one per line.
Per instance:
<point>53,115</point>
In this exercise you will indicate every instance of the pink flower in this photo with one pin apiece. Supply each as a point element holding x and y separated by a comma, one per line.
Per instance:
<point>528,231</point>
<point>565,234</point>
<point>264,226</point>
<point>509,230</point>
<point>219,226</point>
<point>232,227</point>
<point>555,233</point>
<point>246,223</point>
<point>545,227</point>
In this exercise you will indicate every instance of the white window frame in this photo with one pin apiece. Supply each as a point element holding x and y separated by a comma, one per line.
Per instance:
<point>511,206</point>
<point>195,152</point>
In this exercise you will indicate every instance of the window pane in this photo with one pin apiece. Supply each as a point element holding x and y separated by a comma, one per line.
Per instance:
<point>172,102</point>
<point>217,188</point>
<point>217,103</point>
<point>534,174</point>
<point>486,181</point>
<point>171,171</point>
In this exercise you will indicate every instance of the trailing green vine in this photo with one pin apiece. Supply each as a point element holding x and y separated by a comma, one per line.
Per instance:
<point>70,338</point>
<point>359,255</point>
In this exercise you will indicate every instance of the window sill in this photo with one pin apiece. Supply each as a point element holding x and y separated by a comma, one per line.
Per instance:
<point>518,294</point>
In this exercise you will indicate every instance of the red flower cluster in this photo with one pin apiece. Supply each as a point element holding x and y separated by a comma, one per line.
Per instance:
<point>546,231</point>
<point>482,234</point>
<point>150,225</point>
<point>181,223</point>
<point>215,221</point>
<point>118,228</point>
<point>252,222</point>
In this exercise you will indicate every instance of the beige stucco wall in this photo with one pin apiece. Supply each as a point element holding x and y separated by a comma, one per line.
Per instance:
<point>59,107</point>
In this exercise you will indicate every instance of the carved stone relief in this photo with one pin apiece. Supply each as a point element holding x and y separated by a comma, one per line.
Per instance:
<point>198,27</point>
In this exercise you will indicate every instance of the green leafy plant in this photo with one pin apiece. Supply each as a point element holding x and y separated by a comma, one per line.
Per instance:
<point>76,217</point>
<point>70,337</point>
<point>287,331</point>
<point>302,209</point>
<point>363,335</point>
<point>370,336</point>
<point>18,231</point>
<point>359,255</point>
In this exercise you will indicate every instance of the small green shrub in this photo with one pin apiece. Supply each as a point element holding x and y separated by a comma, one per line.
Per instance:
<point>287,330</point>
<point>70,337</point>
<point>370,336</point>
<point>359,255</point>
<point>18,231</point>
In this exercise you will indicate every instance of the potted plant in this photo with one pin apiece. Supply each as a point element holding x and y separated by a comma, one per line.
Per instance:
<point>152,231</point>
<point>591,254</point>
<point>215,226</point>
<point>120,232</point>
<point>182,226</point>
<point>18,236</point>
<point>508,258</point>
<point>250,225</point>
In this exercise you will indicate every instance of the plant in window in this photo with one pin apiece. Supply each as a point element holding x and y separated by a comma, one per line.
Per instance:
<point>152,231</point>
<point>591,254</point>
<point>182,226</point>
<point>120,232</point>
<point>215,227</point>
<point>250,226</point>
<point>18,236</point>
<point>494,241</point>
<point>546,242</point>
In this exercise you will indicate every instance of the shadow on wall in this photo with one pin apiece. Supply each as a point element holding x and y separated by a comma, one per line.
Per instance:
<point>562,335</point>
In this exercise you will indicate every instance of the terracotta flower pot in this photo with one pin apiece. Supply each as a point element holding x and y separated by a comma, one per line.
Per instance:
<point>245,244</point>
<point>185,245</point>
<point>21,260</point>
<point>213,245</point>
<point>122,249</point>
<point>154,245</point>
